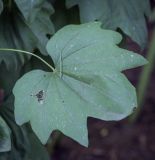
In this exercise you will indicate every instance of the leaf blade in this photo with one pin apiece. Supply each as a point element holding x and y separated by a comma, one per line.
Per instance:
<point>65,98</point>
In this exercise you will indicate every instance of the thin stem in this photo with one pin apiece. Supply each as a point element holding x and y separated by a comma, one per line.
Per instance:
<point>26,52</point>
<point>144,78</point>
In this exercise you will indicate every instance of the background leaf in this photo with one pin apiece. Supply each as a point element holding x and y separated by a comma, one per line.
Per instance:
<point>29,8</point>
<point>40,23</point>
<point>18,33</point>
<point>124,14</point>
<point>8,78</point>
<point>87,82</point>
<point>25,145</point>
<point>5,141</point>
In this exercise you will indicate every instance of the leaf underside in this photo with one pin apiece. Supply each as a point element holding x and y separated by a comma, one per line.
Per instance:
<point>87,83</point>
<point>124,14</point>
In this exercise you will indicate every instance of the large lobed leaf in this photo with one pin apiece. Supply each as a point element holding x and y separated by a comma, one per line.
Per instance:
<point>87,82</point>
<point>5,141</point>
<point>124,14</point>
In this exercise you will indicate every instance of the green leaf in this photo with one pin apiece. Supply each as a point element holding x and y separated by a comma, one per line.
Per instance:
<point>25,145</point>
<point>5,141</point>
<point>124,14</point>
<point>87,82</point>
<point>1,6</point>
<point>16,32</point>
<point>40,23</point>
<point>29,8</point>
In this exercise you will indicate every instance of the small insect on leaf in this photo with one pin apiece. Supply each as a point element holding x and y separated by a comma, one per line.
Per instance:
<point>40,96</point>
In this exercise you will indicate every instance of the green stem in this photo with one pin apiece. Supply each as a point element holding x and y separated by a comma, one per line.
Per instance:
<point>26,52</point>
<point>144,78</point>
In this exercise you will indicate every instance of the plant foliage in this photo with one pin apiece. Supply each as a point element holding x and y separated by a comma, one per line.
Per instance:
<point>5,141</point>
<point>124,14</point>
<point>86,82</point>
<point>17,31</point>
